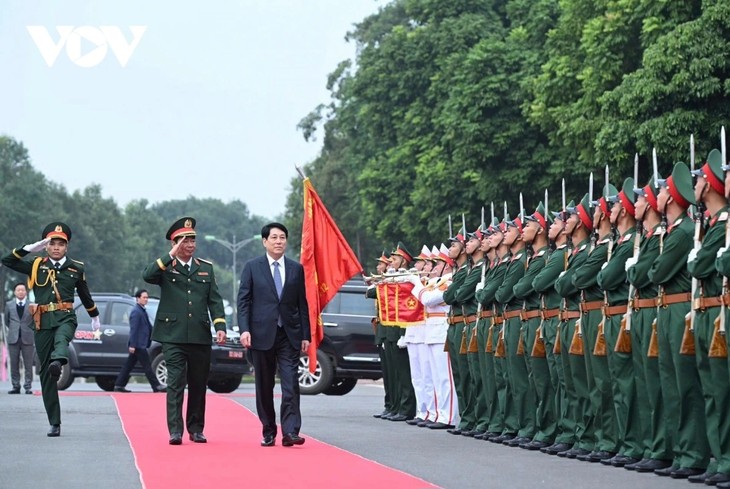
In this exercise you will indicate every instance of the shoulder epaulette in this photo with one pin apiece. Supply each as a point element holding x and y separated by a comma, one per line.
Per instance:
<point>517,257</point>
<point>505,259</point>
<point>540,253</point>
<point>582,248</point>
<point>678,221</point>
<point>205,261</point>
<point>722,216</point>
<point>604,241</point>
<point>561,246</point>
<point>76,261</point>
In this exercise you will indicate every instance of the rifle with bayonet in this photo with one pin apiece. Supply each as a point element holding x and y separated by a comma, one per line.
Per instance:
<point>599,349</point>
<point>538,347</point>
<point>718,345</point>
<point>688,338</point>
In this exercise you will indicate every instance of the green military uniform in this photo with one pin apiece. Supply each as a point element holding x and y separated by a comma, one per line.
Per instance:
<point>494,385</point>
<point>574,366</point>
<point>54,285</point>
<point>465,296</point>
<point>182,325</point>
<point>680,383</point>
<point>516,376</point>
<point>713,371</point>
<point>459,362</point>
<point>655,438</point>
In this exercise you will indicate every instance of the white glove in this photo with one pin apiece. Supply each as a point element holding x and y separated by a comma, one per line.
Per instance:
<point>630,262</point>
<point>604,265</point>
<point>479,287</point>
<point>692,256</point>
<point>37,246</point>
<point>561,274</point>
<point>95,323</point>
<point>401,342</point>
<point>412,279</point>
<point>721,252</point>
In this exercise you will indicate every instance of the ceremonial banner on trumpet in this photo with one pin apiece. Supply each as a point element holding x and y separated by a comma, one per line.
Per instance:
<point>397,305</point>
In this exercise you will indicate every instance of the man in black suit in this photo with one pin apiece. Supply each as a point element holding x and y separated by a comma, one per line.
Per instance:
<point>19,338</point>
<point>140,338</point>
<point>274,321</point>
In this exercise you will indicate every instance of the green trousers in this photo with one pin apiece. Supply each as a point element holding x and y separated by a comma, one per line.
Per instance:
<point>576,383</point>
<point>462,377</point>
<point>523,397</point>
<point>504,387</point>
<point>489,382</point>
<point>565,426</point>
<point>403,397</point>
<point>681,390</point>
<point>52,344</point>
<point>481,420</point>
<point>539,374</point>
<point>187,364</point>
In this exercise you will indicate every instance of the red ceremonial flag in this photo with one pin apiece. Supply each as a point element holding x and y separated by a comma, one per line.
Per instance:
<point>328,263</point>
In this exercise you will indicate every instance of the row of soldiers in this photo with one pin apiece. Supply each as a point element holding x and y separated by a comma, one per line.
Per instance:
<point>595,333</point>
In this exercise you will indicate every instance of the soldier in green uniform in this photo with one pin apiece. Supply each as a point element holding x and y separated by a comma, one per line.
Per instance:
<point>189,297</point>
<point>502,428</point>
<point>516,377</point>
<point>54,279</point>
<point>710,190</point>
<point>534,234</point>
<point>578,229</point>
<point>585,278</point>
<point>370,293</point>
<point>459,364</point>
<point>465,297</point>
<point>612,280</point>
<point>681,389</point>
<point>656,440</point>
<point>403,395</point>
<point>550,300</point>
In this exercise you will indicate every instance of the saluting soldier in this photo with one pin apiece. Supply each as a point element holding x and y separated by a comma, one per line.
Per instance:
<point>710,190</point>
<point>523,398</point>
<point>54,278</point>
<point>498,397</point>
<point>656,439</point>
<point>592,328</point>
<point>189,298</point>
<point>381,267</point>
<point>550,300</point>
<point>578,228</point>
<point>534,234</point>
<point>681,388</point>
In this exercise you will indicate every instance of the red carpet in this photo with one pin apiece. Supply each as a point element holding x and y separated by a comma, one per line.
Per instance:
<point>233,458</point>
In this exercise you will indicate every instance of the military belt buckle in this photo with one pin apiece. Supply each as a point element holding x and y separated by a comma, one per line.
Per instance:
<point>697,304</point>
<point>52,307</point>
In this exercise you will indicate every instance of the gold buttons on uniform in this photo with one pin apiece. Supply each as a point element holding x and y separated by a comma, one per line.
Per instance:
<point>188,291</point>
<point>190,303</point>
<point>167,320</point>
<point>190,315</point>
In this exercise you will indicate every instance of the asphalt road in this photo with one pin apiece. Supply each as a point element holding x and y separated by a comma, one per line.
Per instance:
<point>93,450</point>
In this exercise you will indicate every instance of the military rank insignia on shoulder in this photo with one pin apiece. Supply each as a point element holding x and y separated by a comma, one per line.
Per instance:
<point>627,237</point>
<point>582,248</point>
<point>676,223</point>
<point>540,253</point>
<point>603,241</point>
<point>562,246</point>
<point>722,217</point>
<point>505,259</point>
<point>517,257</point>
<point>205,261</point>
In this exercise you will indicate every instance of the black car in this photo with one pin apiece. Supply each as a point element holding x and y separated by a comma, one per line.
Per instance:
<point>101,354</point>
<point>348,350</point>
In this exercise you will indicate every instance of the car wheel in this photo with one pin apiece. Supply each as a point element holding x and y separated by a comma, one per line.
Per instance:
<point>320,380</point>
<point>340,387</point>
<point>105,382</point>
<point>159,367</point>
<point>224,384</point>
<point>66,378</point>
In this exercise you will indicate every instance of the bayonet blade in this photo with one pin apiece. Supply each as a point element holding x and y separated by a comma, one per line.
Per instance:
<point>492,205</point>
<point>482,226</point>
<point>722,146</point>
<point>692,152</point>
<point>547,212</point>
<point>563,188</point>
<point>636,169</point>
<point>590,189</point>
<point>605,190</point>
<point>451,229</point>
<point>655,164</point>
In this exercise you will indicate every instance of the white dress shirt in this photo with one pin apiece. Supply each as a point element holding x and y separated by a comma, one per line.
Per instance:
<point>282,272</point>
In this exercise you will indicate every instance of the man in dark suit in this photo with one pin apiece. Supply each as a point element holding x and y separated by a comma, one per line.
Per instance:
<point>274,321</point>
<point>20,338</point>
<point>189,297</point>
<point>140,338</point>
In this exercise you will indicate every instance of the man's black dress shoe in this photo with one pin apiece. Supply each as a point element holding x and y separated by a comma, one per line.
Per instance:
<point>160,388</point>
<point>502,438</point>
<point>198,438</point>
<point>121,389</point>
<point>576,452</point>
<point>175,438</point>
<point>685,472</point>
<point>556,448</point>
<point>621,460</point>
<point>535,445</point>
<point>424,423</point>
<point>399,417</point>
<point>440,426</point>
<point>28,391</point>
<point>717,478</point>
<point>696,478</point>
<point>517,441</point>
<point>650,465</point>
<point>54,370</point>
<point>14,390</point>
<point>666,472</point>
<point>453,431</point>
<point>55,430</point>
<point>469,433</point>
<point>384,413</point>
<point>268,441</point>
<point>414,421</point>
<point>292,439</point>
<point>597,456</point>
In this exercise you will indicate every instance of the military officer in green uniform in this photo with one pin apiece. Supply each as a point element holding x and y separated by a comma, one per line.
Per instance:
<point>656,440</point>
<point>382,266</point>
<point>534,234</point>
<point>585,278</point>
<point>710,189</point>
<point>612,280</point>
<point>523,398</point>
<point>578,228</point>
<point>681,388</point>
<point>54,279</point>
<point>550,300</point>
<point>189,298</point>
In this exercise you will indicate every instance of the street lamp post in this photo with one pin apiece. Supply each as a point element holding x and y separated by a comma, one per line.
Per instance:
<point>233,246</point>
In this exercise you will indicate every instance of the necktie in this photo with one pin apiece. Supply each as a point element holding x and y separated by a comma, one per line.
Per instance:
<point>186,267</point>
<point>277,279</point>
<point>21,308</point>
<point>57,266</point>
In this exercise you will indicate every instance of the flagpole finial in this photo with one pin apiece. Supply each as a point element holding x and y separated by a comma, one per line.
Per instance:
<point>301,173</point>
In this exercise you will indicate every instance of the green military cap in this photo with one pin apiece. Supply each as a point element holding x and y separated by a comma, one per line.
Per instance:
<point>460,237</point>
<point>712,171</point>
<point>401,251</point>
<point>383,258</point>
<point>540,216</point>
<point>57,230</point>
<point>185,226</point>
<point>583,209</point>
<point>608,191</point>
<point>626,196</point>
<point>477,234</point>
<point>650,192</point>
<point>559,215</point>
<point>679,185</point>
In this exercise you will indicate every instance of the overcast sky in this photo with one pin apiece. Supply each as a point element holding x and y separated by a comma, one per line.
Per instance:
<point>207,104</point>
